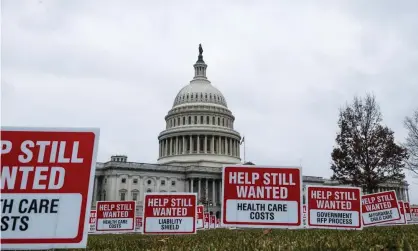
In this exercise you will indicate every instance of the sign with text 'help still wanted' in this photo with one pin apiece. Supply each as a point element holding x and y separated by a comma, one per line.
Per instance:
<point>334,207</point>
<point>170,213</point>
<point>261,196</point>
<point>47,179</point>
<point>115,216</point>
<point>380,208</point>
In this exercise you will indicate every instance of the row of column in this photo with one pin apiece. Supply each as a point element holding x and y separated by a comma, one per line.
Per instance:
<point>401,193</point>
<point>199,120</point>
<point>204,144</point>
<point>203,192</point>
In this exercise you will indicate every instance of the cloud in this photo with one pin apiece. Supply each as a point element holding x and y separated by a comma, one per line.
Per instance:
<point>284,67</point>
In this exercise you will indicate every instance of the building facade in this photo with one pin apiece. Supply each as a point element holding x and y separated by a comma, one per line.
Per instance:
<point>198,140</point>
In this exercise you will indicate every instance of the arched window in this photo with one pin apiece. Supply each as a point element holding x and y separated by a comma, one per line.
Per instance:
<point>219,121</point>
<point>207,120</point>
<point>190,120</point>
<point>184,120</point>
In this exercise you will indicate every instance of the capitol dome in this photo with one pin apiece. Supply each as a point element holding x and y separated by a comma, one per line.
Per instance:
<point>199,126</point>
<point>199,92</point>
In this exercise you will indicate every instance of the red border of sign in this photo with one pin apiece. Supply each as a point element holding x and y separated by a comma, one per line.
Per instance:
<point>118,230</point>
<point>170,233</point>
<point>263,225</point>
<point>329,226</point>
<point>386,221</point>
<point>51,243</point>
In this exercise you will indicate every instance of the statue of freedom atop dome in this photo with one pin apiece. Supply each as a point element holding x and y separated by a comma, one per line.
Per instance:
<point>200,49</point>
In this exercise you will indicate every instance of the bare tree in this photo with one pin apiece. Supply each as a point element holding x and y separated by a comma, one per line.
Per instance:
<point>411,144</point>
<point>366,154</point>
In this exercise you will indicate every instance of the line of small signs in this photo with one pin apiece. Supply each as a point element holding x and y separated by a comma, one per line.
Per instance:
<point>256,197</point>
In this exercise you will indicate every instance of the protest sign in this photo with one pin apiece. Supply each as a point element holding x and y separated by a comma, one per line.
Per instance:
<point>414,215</point>
<point>407,211</point>
<point>170,213</point>
<point>218,222</point>
<point>199,217</point>
<point>115,216</point>
<point>212,221</point>
<point>334,207</point>
<point>138,223</point>
<point>47,177</point>
<point>92,221</point>
<point>380,208</point>
<point>402,220</point>
<point>207,220</point>
<point>261,196</point>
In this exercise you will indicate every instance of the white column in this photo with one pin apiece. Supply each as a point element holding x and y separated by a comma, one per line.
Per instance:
<point>212,144</point>
<point>219,144</point>
<point>184,144</point>
<point>176,148</point>
<point>191,185</point>
<point>205,148</point>
<point>172,146</point>
<point>407,194</point>
<point>231,143</point>
<point>191,143</point>
<point>95,189</point>
<point>226,146</point>
<point>213,192</point>
<point>199,193</point>
<point>220,191</point>
<point>165,147</point>
<point>207,190</point>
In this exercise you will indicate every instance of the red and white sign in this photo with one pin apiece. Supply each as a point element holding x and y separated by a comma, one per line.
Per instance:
<point>138,224</point>
<point>115,216</point>
<point>407,211</point>
<point>261,196</point>
<point>207,220</point>
<point>92,221</point>
<point>334,207</point>
<point>47,177</point>
<point>213,221</point>
<point>199,217</point>
<point>378,208</point>
<point>170,213</point>
<point>402,220</point>
<point>218,222</point>
<point>414,215</point>
<point>304,216</point>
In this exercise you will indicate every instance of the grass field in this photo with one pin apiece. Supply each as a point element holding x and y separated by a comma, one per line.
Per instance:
<point>375,238</point>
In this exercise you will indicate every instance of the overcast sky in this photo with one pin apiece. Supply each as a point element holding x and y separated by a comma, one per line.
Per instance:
<point>285,68</point>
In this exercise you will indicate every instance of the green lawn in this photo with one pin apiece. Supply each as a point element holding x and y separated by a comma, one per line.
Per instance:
<point>375,238</point>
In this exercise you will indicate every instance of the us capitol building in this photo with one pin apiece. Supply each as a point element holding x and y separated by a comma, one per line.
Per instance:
<point>199,138</point>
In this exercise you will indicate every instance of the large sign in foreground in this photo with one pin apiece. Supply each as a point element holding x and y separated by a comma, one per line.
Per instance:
<point>170,213</point>
<point>380,208</point>
<point>261,196</point>
<point>334,207</point>
<point>115,216</point>
<point>46,186</point>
